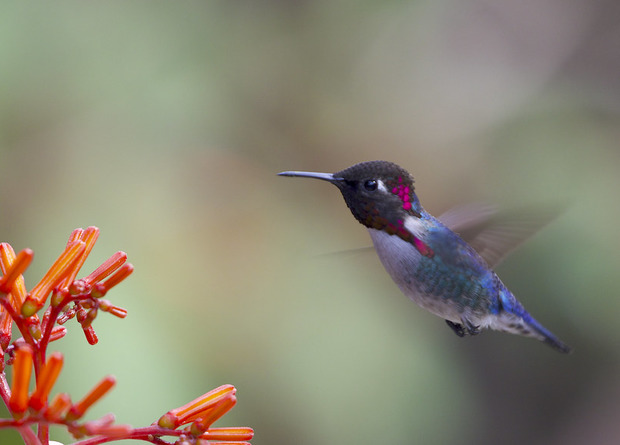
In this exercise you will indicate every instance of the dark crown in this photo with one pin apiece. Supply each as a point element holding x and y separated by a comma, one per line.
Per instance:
<point>388,172</point>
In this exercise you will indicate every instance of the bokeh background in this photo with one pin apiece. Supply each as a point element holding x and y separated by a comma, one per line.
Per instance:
<point>165,123</point>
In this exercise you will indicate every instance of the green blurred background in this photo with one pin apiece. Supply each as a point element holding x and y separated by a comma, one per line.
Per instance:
<point>165,123</point>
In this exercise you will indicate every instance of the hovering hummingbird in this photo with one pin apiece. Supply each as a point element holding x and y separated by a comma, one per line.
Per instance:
<point>430,263</point>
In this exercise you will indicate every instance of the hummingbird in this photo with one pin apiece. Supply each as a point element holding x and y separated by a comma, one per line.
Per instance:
<point>448,274</point>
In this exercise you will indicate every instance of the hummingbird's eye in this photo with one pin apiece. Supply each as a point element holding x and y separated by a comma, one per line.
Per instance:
<point>370,185</point>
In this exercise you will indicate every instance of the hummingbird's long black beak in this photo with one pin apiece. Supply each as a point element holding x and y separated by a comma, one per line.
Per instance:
<point>324,176</point>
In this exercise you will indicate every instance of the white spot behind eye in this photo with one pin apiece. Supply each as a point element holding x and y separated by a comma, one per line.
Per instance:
<point>381,186</point>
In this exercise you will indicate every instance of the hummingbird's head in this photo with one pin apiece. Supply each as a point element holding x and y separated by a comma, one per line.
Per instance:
<point>380,194</point>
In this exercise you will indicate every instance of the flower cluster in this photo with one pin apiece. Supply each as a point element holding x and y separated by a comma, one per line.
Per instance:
<point>66,298</point>
<point>202,412</point>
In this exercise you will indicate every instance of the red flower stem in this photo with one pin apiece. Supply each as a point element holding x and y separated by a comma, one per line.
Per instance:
<point>5,389</point>
<point>148,434</point>
<point>24,430</point>
<point>10,423</point>
<point>28,435</point>
<point>45,338</point>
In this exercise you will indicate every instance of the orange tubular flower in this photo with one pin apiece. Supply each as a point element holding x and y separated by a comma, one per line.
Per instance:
<point>208,418</point>
<point>46,381</point>
<point>208,442</point>
<point>13,266</point>
<point>108,267</point>
<point>82,299</point>
<point>106,306</point>
<point>89,237</point>
<point>229,434</point>
<point>100,390</point>
<point>57,333</point>
<point>119,276</point>
<point>12,283</point>
<point>62,267</point>
<point>203,412</point>
<point>58,407</point>
<point>109,430</point>
<point>196,408</point>
<point>22,368</point>
<point>105,426</point>
<point>91,336</point>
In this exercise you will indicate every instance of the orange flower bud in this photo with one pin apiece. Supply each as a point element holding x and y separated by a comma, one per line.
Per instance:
<point>115,431</point>
<point>58,407</point>
<point>107,268</point>
<point>10,266</point>
<point>106,306</point>
<point>229,434</point>
<point>91,336</point>
<point>13,266</point>
<point>89,237</point>
<point>209,417</point>
<point>119,276</point>
<point>62,267</point>
<point>46,380</point>
<point>100,390</point>
<point>57,333</point>
<point>22,368</point>
<point>194,409</point>
<point>105,427</point>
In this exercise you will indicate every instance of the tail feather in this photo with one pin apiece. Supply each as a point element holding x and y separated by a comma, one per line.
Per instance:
<point>525,324</point>
<point>515,319</point>
<point>546,336</point>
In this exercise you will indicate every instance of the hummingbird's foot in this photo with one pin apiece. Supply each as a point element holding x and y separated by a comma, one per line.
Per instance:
<point>463,329</point>
<point>471,329</point>
<point>458,329</point>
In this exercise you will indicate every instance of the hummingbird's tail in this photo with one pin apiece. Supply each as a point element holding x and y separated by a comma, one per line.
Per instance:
<point>541,333</point>
<point>516,320</point>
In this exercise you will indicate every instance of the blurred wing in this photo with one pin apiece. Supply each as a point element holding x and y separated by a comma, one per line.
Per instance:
<point>495,234</point>
<point>348,253</point>
<point>467,216</point>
